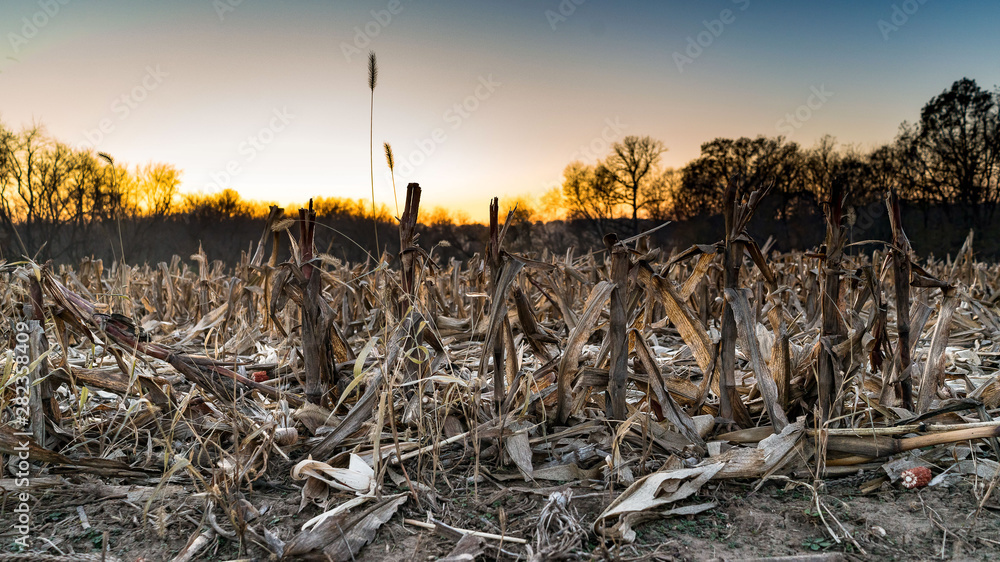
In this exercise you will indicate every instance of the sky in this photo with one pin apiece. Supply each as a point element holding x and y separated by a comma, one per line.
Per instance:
<point>478,99</point>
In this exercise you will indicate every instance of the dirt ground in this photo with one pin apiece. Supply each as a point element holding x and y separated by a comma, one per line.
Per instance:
<point>778,519</point>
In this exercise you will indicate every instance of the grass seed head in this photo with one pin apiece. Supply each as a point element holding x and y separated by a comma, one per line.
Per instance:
<point>372,70</point>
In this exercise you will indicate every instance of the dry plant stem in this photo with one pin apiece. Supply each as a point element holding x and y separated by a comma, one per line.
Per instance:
<point>570,360</point>
<point>830,377</point>
<point>314,345</point>
<point>395,441</point>
<point>816,502</point>
<point>900,253</point>
<point>273,215</point>
<point>730,405</point>
<point>847,533</point>
<point>529,326</point>
<point>987,494</point>
<point>196,545</point>
<point>498,302</point>
<point>372,81</point>
<point>820,508</point>
<point>782,371</point>
<point>510,357</point>
<point>900,429</point>
<point>408,258</point>
<point>498,331</point>
<point>618,375</point>
<point>407,233</point>
<point>740,306</point>
<point>42,403</point>
<point>919,314</point>
<point>433,526</point>
<point>38,380</point>
<point>397,459</point>
<point>933,376</point>
<point>934,517</point>
<point>883,446</point>
<point>376,433</point>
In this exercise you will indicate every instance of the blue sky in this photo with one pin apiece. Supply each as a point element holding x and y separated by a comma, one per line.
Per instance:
<point>477,98</point>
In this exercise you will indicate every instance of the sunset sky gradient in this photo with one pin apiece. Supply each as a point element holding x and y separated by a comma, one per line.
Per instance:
<point>477,98</point>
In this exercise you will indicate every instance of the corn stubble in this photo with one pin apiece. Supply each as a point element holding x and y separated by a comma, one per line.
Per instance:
<point>602,370</point>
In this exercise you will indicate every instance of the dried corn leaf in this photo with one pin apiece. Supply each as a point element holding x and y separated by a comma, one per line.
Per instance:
<point>648,494</point>
<point>341,537</point>
<point>358,477</point>
<point>519,449</point>
<point>691,330</point>
<point>751,345</point>
<point>772,454</point>
<point>571,356</point>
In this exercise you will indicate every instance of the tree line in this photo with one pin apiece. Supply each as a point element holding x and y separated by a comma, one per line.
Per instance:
<point>950,157</point>
<point>66,203</point>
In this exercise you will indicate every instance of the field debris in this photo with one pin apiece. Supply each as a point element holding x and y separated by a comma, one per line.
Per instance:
<point>630,380</point>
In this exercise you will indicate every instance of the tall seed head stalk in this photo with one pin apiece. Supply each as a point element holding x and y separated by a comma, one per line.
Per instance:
<point>392,166</point>
<point>388,156</point>
<point>372,80</point>
<point>372,70</point>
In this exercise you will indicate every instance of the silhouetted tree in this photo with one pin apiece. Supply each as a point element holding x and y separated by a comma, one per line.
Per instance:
<point>591,195</point>
<point>157,189</point>
<point>954,150</point>
<point>226,204</point>
<point>883,167</point>
<point>758,161</point>
<point>659,204</point>
<point>631,162</point>
<point>826,167</point>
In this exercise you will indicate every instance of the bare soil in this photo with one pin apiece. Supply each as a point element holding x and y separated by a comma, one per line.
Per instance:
<point>778,519</point>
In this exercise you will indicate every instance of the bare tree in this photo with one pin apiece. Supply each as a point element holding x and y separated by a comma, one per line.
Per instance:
<point>8,202</point>
<point>955,149</point>
<point>591,195</point>
<point>631,162</point>
<point>759,161</point>
<point>660,195</point>
<point>157,190</point>
<point>821,164</point>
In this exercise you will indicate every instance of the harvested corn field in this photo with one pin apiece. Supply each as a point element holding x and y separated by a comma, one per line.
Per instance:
<point>724,401</point>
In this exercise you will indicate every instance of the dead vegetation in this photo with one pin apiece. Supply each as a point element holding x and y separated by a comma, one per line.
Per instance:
<point>626,380</point>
